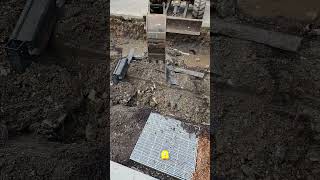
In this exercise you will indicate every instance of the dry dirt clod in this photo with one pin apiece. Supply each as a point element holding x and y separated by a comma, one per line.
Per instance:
<point>248,171</point>
<point>34,127</point>
<point>92,95</point>
<point>314,153</point>
<point>3,71</point>
<point>55,123</point>
<point>91,132</point>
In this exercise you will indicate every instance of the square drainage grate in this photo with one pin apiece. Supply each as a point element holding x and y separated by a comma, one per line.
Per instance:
<point>161,133</point>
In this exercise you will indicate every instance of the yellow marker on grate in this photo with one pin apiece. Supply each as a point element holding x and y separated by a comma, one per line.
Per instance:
<point>165,155</point>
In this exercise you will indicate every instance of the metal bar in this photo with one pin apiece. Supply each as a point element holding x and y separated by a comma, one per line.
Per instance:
<point>186,9</point>
<point>189,72</point>
<point>130,55</point>
<point>175,10</point>
<point>168,5</point>
<point>164,8</point>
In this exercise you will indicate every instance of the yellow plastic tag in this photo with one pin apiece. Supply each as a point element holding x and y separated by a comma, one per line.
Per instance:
<point>165,155</point>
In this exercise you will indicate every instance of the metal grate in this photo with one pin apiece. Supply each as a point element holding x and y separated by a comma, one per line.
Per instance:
<point>162,133</point>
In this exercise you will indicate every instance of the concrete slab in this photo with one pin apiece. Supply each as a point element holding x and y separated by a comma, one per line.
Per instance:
<point>138,9</point>
<point>118,171</point>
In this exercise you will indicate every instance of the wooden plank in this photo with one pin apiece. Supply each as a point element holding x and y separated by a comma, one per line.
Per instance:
<point>273,39</point>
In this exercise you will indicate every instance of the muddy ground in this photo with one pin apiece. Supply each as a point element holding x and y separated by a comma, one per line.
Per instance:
<point>56,113</point>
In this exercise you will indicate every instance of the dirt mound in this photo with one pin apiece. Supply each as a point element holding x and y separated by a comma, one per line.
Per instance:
<point>56,113</point>
<point>84,23</point>
<point>131,28</point>
<point>261,127</point>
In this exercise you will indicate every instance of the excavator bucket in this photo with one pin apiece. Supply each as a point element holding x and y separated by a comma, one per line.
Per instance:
<point>183,25</point>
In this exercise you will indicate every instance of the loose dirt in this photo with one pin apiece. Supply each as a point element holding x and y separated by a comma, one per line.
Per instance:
<point>56,113</point>
<point>269,129</point>
<point>266,128</point>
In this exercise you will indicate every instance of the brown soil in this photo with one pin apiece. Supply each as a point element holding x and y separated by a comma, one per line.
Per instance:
<point>203,159</point>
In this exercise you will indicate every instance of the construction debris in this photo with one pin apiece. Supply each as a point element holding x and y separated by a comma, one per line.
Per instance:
<point>31,33</point>
<point>170,75</point>
<point>122,67</point>
<point>181,52</point>
<point>273,39</point>
<point>189,72</point>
